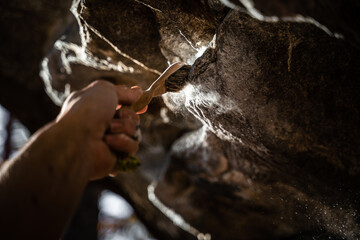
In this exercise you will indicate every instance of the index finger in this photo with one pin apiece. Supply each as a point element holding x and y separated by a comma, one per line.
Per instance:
<point>127,96</point>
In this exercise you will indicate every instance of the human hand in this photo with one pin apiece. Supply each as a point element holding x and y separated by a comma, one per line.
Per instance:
<point>90,113</point>
<point>125,122</point>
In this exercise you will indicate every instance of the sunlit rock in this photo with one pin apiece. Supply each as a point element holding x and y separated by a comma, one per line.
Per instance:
<point>263,142</point>
<point>281,98</point>
<point>264,138</point>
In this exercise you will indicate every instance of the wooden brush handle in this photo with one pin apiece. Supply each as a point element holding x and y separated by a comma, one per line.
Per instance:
<point>157,88</point>
<point>144,100</point>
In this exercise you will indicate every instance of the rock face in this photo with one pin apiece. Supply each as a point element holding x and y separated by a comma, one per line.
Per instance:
<point>263,142</point>
<point>278,135</point>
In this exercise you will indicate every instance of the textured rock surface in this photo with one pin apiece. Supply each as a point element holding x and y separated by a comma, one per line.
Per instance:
<point>279,112</point>
<point>263,142</point>
<point>128,42</point>
<point>344,15</point>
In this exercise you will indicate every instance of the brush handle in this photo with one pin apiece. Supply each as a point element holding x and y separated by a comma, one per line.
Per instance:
<point>157,88</point>
<point>144,100</point>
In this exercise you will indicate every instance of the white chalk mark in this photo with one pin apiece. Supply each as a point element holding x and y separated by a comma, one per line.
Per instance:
<point>147,5</point>
<point>249,5</point>
<point>57,97</point>
<point>176,218</point>
<point>255,13</point>
<point>197,99</point>
<point>199,50</point>
<point>85,35</point>
<point>188,41</point>
<point>120,52</point>
<point>230,4</point>
<point>86,58</point>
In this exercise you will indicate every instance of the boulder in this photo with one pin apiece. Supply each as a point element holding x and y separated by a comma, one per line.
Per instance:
<point>262,143</point>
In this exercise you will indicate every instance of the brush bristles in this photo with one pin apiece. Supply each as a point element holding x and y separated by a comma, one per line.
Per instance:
<point>178,79</point>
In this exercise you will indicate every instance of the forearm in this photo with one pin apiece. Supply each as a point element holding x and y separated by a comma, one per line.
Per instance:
<point>41,187</point>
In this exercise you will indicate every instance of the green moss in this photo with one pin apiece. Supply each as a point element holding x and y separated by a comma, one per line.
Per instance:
<point>127,163</point>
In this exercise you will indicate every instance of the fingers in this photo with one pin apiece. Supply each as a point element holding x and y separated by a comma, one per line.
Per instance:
<point>122,143</point>
<point>126,126</point>
<point>128,96</point>
<point>105,162</point>
<point>126,113</point>
<point>124,129</point>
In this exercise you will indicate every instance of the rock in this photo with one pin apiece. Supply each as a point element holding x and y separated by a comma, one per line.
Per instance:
<point>279,147</point>
<point>275,153</point>
<point>128,52</point>
<point>261,144</point>
<point>87,54</point>
<point>344,16</point>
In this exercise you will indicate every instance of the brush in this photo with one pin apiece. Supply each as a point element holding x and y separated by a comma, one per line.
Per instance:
<point>173,79</point>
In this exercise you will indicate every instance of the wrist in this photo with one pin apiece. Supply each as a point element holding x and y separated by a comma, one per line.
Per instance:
<point>72,141</point>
